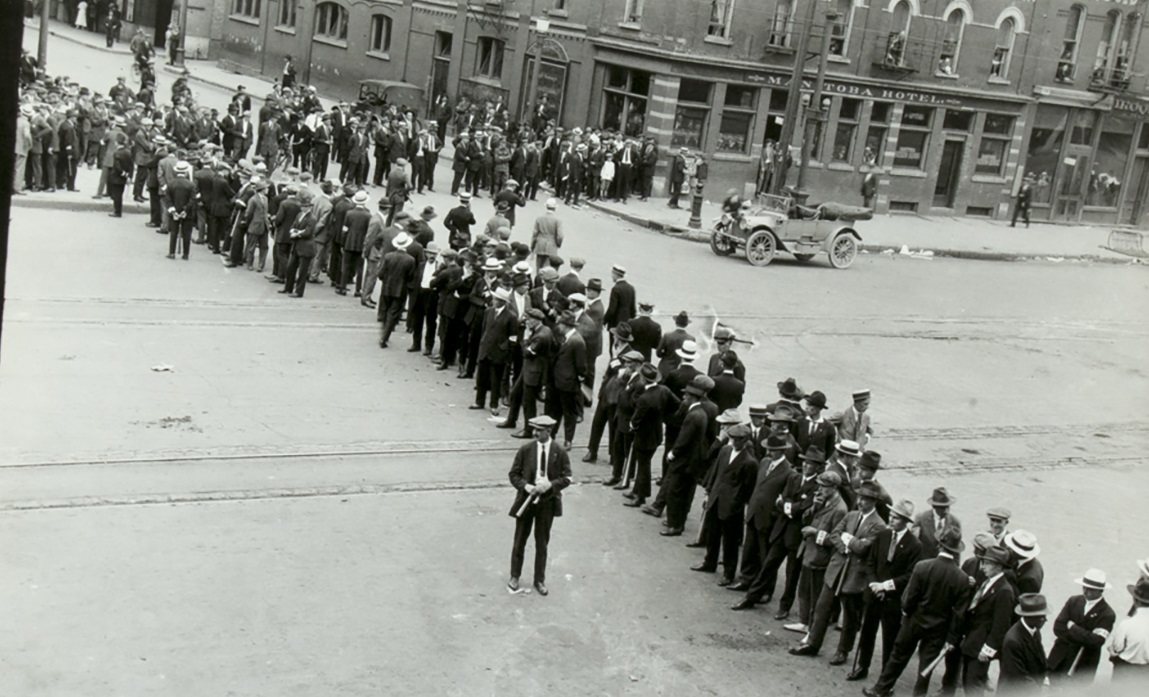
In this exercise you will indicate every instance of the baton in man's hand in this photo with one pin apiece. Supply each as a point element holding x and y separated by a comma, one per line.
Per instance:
<point>1076,661</point>
<point>530,499</point>
<point>928,670</point>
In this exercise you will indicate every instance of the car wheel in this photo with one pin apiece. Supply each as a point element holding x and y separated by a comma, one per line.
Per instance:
<point>760,248</point>
<point>720,244</point>
<point>803,257</point>
<point>843,250</point>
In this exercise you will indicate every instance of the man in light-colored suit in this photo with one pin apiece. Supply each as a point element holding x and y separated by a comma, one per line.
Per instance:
<point>547,237</point>
<point>929,525</point>
<point>855,421</point>
<point>540,472</point>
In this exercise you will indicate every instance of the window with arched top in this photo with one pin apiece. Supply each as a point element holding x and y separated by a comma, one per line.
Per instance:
<point>330,21</point>
<point>1123,55</point>
<point>1067,63</point>
<point>899,31</point>
<point>1003,50</point>
<point>840,29</point>
<point>951,44</point>
<point>780,26</point>
<point>379,38</point>
<point>1107,47</point>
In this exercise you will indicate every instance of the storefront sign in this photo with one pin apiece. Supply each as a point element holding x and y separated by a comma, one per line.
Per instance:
<point>1069,162</point>
<point>1133,106</point>
<point>854,90</point>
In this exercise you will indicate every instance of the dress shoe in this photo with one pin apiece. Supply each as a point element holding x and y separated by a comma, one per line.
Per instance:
<point>476,406</point>
<point>858,674</point>
<point>744,604</point>
<point>513,584</point>
<point>115,215</point>
<point>611,482</point>
<point>875,692</point>
<point>796,627</point>
<point>634,504</point>
<point>590,457</point>
<point>704,568</point>
<point>300,295</point>
<point>443,367</point>
<point>696,545</point>
<point>524,434</point>
<point>622,486</point>
<point>782,615</point>
<point>740,586</point>
<point>383,344</point>
<point>803,650</point>
<point>725,583</point>
<point>414,349</point>
<point>630,495</point>
<point>506,424</point>
<point>671,532</point>
<point>542,588</point>
<point>650,510</point>
<point>282,290</point>
<point>171,256</point>
<point>838,659</point>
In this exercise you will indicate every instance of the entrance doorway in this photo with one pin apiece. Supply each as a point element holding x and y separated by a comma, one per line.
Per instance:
<point>163,17</point>
<point>1137,196</point>
<point>949,174</point>
<point>1072,175</point>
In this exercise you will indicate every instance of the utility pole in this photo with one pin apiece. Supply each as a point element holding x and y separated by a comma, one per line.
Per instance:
<point>42,51</point>
<point>815,114</point>
<point>542,26</point>
<point>181,47</point>
<point>794,98</point>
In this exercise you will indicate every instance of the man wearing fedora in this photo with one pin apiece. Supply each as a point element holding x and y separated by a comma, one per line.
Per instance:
<point>395,276</point>
<point>790,401</point>
<point>500,327</point>
<point>302,246</point>
<point>1129,648</point>
<point>655,406</point>
<point>1027,574</point>
<point>893,555</point>
<point>729,489</point>
<point>813,430</point>
<point>1023,660</point>
<point>867,471</point>
<point>981,626</point>
<point>567,376</point>
<point>646,333</point>
<point>774,472</point>
<point>935,588</point>
<point>782,424</point>
<point>355,224</point>
<point>686,459</point>
<point>929,525</point>
<point>539,473</point>
<point>671,342</point>
<point>1082,628</point>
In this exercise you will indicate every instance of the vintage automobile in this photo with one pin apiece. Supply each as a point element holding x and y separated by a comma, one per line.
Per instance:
<point>375,94</point>
<point>776,223</point>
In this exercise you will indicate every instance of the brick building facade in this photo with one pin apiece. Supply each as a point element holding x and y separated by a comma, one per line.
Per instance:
<point>953,100</point>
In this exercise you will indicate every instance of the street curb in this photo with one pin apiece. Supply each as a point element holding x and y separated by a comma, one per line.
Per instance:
<point>103,205</point>
<point>699,237</point>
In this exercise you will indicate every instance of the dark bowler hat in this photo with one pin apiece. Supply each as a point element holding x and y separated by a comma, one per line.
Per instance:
<point>594,284</point>
<point>871,460</point>
<point>776,442</point>
<point>622,331</point>
<point>814,454</point>
<point>816,399</point>
<point>870,490</point>
<point>788,388</point>
<point>649,371</point>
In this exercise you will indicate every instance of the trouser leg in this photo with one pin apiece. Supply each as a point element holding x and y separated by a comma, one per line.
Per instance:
<point>523,525</point>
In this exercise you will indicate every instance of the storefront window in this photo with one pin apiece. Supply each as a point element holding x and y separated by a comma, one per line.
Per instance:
<point>1143,142</point>
<point>994,147</point>
<point>845,131</point>
<point>776,115</point>
<point>876,135</point>
<point>1082,133</point>
<point>737,118</point>
<point>957,120</point>
<point>690,114</point>
<point>1109,160</point>
<point>1045,148</point>
<point>624,100</point>
<point>913,137</point>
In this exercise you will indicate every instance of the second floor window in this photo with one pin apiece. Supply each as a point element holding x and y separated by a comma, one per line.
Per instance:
<point>632,13</point>
<point>380,36</point>
<point>840,31</point>
<point>951,44</point>
<point>246,8</point>
<point>1105,50</point>
<point>780,28</point>
<point>899,32</point>
<point>1003,51</point>
<point>286,14</point>
<point>1067,63</point>
<point>489,61</point>
<point>720,11</point>
<point>331,21</point>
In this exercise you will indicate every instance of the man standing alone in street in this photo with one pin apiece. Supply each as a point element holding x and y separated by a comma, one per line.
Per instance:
<point>540,472</point>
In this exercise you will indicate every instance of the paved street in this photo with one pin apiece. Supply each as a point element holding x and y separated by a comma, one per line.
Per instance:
<point>290,510</point>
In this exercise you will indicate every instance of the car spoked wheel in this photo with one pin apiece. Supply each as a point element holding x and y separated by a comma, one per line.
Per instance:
<point>760,248</point>
<point>721,244</point>
<point>843,251</point>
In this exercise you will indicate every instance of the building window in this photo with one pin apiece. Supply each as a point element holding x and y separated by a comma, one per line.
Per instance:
<point>1067,64</point>
<point>444,40</point>
<point>951,44</point>
<point>1143,141</point>
<point>737,119</point>
<point>995,139</point>
<point>380,36</point>
<point>914,136</point>
<point>1045,143</point>
<point>957,120</point>
<point>1003,51</point>
<point>489,60</point>
<point>632,13</point>
<point>720,14</point>
<point>840,31</point>
<point>1109,161</point>
<point>1125,51</point>
<point>330,21</point>
<point>690,114</point>
<point>776,115</point>
<point>561,5</point>
<point>624,100</point>
<point>781,26</point>
<point>286,14</point>
<point>250,8</point>
<point>876,135</point>
<point>1081,128</point>
<point>846,130</point>
<point>1105,49</point>
<point>899,32</point>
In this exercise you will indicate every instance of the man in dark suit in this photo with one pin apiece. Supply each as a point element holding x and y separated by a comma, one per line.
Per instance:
<point>1025,573</point>
<point>929,525</point>
<point>538,346</point>
<point>893,555</point>
<point>500,325</point>
<point>728,492</point>
<point>686,460</point>
<point>774,472</point>
<point>653,408</point>
<point>180,198</point>
<point>621,307</point>
<point>302,247</point>
<point>670,343</point>
<point>645,332</point>
<point>540,472</point>
<point>935,588</point>
<point>447,281</point>
<point>218,215</point>
<point>570,283</point>
<point>119,174</point>
<point>1023,660</point>
<point>981,625</point>
<point>648,160</point>
<point>1082,628</point>
<point>814,430</point>
<point>395,276</point>
<point>285,217</point>
<point>568,375</point>
<point>677,176</point>
<point>728,389</point>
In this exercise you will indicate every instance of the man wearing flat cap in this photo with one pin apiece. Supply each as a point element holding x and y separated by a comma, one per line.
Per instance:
<point>998,517</point>
<point>539,473</point>
<point>538,346</point>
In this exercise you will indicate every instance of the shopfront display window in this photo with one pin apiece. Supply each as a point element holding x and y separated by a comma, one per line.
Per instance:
<point>994,146</point>
<point>737,118</point>
<point>775,117</point>
<point>1082,133</point>
<point>876,135</point>
<point>1045,143</point>
<point>624,100</point>
<point>913,137</point>
<point>957,120</point>
<point>846,129</point>
<point>690,116</point>
<point>1109,160</point>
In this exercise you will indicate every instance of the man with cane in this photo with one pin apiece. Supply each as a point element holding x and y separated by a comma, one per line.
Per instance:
<point>1082,628</point>
<point>540,472</point>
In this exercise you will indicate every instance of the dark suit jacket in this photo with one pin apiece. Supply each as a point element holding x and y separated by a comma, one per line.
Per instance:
<point>221,194</point>
<point>986,623</point>
<point>499,325</point>
<point>692,443</point>
<point>936,588</point>
<point>727,392</point>
<point>591,335</point>
<point>446,280</point>
<point>571,283</point>
<point>569,369</point>
<point>284,217</point>
<point>679,378</point>
<point>1022,662</point>
<point>622,304</point>
<point>668,345</point>
<point>537,354</point>
<point>1080,637</point>
<point>924,529</point>
<point>1028,577</point>
<point>525,468</point>
<point>788,528</point>
<point>898,570</point>
<point>853,560</point>
<point>824,435</point>
<point>733,482</point>
<point>395,273</point>
<point>647,333</point>
<point>760,509</point>
<point>651,411</point>
<point>714,367</point>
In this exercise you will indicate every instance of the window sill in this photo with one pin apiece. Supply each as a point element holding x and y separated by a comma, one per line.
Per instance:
<point>997,81</point>
<point>903,172</point>
<point>558,13</point>
<point>337,43</point>
<point>840,167</point>
<point>630,26</point>
<point>838,59</point>
<point>484,80</point>
<point>946,76</point>
<point>731,157</point>
<point>286,30</point>
<point>778,48</point>
<point>988,179</point>
<point>379,55</point>
<point>253,21</point>
<point>720,40</point>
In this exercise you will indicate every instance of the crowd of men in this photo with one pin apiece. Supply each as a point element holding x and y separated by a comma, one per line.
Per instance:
<point>792,508</point>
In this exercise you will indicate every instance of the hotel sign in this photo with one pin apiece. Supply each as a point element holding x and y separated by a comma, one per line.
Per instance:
<point>846,89</point>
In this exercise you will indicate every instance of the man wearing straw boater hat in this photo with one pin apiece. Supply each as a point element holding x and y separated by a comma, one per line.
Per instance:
<point>1027,575</point>
<point>1081,628</point>
<point>540,472</point>
<point>1023,661</point>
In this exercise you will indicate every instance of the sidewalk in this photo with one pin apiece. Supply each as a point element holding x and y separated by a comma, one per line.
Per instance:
<point>966,238</point>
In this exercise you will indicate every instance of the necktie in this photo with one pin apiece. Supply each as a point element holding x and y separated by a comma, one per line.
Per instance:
<point>893,546</point>
<point>541,474</point>
<point>980,594</point>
